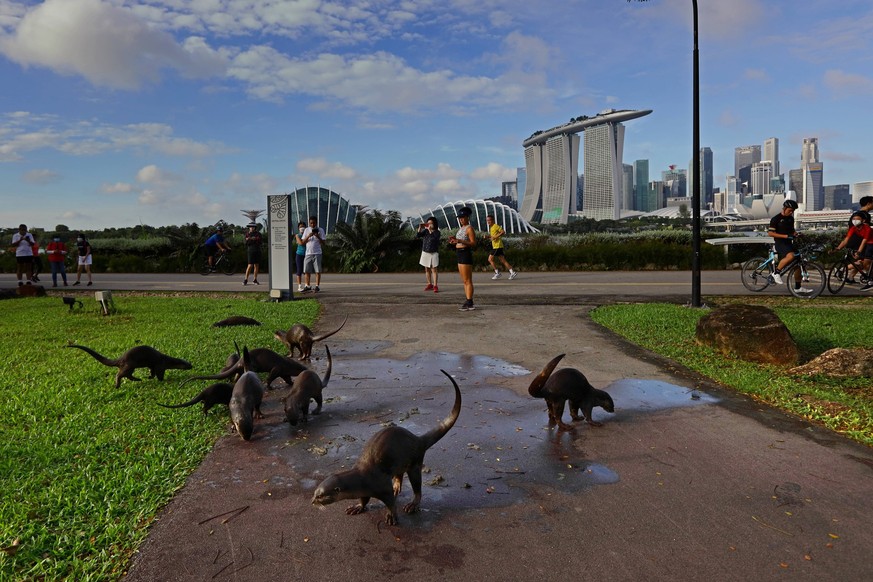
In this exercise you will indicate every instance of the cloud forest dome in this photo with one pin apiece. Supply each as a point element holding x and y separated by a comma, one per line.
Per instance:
<point>447,216</point>
<point>327,206</point>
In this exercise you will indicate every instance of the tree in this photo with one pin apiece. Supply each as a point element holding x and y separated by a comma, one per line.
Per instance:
<point>372,236</point>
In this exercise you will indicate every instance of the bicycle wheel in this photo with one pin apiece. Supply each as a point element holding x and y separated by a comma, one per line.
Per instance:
<point>813,280</point>
<point>837,277</point>
<point>226,265</point>
<point>205,270</point>
<point>756,274</point>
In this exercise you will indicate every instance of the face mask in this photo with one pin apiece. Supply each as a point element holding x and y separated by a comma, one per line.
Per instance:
<point>856,222</point>
<point>80,240</point>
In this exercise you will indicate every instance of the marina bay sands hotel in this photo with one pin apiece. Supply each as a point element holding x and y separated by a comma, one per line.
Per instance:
<point>551,159</point>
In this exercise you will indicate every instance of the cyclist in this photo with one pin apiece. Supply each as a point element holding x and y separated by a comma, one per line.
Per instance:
<point>213,244</point>
<point>866,250</point>
<point>856,239</point>
<point>782,230</point>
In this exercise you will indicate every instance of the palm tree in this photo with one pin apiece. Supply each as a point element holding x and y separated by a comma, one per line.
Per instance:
<point>372,237</point>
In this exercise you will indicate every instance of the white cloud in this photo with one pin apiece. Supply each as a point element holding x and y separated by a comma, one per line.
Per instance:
<point>494,171</point>
<point>108,45</point>
<point>845,84</point>
<point>320,168</point>
<point>117,188</point>
<point>42,176</point>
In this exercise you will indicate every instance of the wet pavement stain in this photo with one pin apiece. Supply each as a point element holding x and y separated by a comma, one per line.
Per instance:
<point>498,453</point>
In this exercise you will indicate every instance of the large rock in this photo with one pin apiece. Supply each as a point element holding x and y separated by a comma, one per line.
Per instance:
<point>840,362</point>
<point>750,332</point>
<point>30,291</point>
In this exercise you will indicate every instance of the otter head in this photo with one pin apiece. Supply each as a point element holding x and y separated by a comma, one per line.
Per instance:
<point>292,414</point>
<point>244,426</point>
<point>605,401</point>
<point>330,491</point>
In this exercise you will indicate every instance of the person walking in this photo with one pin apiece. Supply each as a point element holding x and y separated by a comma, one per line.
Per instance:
<point>313,238</point>
<point>464,242</point>
<point>253,241</point>
<point>57,256</point>
<point>85,259</point>
<point>22,245</point>
<point>495,235</point>
<point>429,232</point>
<point>300,254</point>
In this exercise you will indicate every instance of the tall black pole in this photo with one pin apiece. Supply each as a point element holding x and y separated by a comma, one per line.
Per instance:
<point>695,196</point>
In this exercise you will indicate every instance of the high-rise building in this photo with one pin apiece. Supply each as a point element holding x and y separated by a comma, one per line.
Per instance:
<point>641,183</point>
<point>744,157</point>
<point>580,191</point>
<point>675,182</point>
<point>762,173</point>
<point>552,160</point>
<point>861,189</point>
<point>655,196</point>
<point>837,197</point>
<point>731,196</point>
<point>809,153</point>
<point>521,184</point>
<point>509,194</point>
<point>604,145</point>
<point>813,189</point>
<point>627,190</point>
<point>771,153</point>
<point>705,177</point>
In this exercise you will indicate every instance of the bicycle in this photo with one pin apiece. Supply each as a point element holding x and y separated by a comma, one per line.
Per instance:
<point>221,262</point>
<point>839,272</point>
<point>758,273</point>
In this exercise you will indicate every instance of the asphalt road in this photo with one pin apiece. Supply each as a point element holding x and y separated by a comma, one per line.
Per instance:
<point>669,488</point>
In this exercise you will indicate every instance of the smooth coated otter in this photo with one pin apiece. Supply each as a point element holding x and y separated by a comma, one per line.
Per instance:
<point>236,320</point>
<point>301,338</point>
<point>307,386</point>
<point>568,384</point>
<point>263,360</point>
<point>138,357</point>
<point>378,473</point>
<point>218,393</point>
<point>245,400</point>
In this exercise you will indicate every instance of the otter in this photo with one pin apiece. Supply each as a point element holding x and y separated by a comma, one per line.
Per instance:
<point>307,386</point>
<point>245,400</point>
<point>263,360</point>
<point>236,320</point>
<point>138,357</point>
<point>568,384</point>
<point>378,473</point>
<point>218,393</point>
<point>301,338</point>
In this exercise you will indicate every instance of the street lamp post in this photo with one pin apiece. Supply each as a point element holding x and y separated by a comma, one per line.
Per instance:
<point>695,196</point>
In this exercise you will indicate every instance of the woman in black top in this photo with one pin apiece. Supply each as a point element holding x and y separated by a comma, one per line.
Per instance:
<point>429,232</point>
<point>464,242</point>
<point>253,253</point>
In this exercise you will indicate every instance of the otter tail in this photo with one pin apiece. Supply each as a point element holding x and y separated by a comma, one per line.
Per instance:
<point>191,402</point>
<point>326,378</point>
<point>227,373</point>
<point>99,357</point>
<point>431,437</point>
<point>327,335</point>
<point>536,387</point>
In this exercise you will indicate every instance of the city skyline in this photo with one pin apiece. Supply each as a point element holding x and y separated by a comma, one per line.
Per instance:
<point>116,113</point>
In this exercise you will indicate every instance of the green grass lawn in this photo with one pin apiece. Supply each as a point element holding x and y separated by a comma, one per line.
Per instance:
<point>844,405</point>
<point>84,467</point>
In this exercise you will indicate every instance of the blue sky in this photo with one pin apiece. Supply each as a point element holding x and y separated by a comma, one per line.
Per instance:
<point>116,113</point>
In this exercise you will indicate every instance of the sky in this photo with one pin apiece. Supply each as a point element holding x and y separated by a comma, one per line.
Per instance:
<point>163,112</point>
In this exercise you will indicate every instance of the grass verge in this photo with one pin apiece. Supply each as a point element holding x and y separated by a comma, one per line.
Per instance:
<point>84,467</point>
<point>844,405</point>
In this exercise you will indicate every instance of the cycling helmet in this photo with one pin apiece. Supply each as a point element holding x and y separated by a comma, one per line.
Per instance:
<point>790,204</point>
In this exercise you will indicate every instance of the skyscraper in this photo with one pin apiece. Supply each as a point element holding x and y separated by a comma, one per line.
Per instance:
<point>604,145</point>
<point>744,157</point>
<point>627,190</point>
<point>771,154</point>
<point>641,183</point>
<point>813,175</point>
<point>762,173</point>
<point>732,200</point>
<point>521,180</point>
<point>809,153</point>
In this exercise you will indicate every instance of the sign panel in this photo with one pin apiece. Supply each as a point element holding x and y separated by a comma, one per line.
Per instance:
<point>281,258</point>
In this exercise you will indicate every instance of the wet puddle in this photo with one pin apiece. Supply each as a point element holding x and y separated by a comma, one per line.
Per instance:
<point>499,448</point>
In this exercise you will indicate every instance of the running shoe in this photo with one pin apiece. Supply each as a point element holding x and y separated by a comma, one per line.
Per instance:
<point>496,276</point>
<point>867,287</point>
<point>777,278</point>
<point>512,275</point>
<point>428,287</point>
<point>317,289</point>
<point>256,282</point>
<point>803,289</point>
<point>245,281</point>
<point>307,289</point>
<point>436,289</point>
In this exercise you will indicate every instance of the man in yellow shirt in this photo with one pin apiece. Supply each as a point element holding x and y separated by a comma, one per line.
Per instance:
<point>495,235</point>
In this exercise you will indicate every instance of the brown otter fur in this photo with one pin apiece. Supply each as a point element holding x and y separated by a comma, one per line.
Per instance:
<point>245,400</point>
<point>378,473</point>
<point>218,393</point>
<point>301,338</point>
<point>236,320</point>
<point>263,361</point>
<point>568,384</point>
<point>138,357</point>
<point>307,386</point>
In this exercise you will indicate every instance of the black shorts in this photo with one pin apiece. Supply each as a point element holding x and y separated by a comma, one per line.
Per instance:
<point>465,256</point>
<point>210,250</point>
<point>868,251</point>
<point>497,252</point>
<point>24,260</point>
<point>253,254</point>
<point>783,247</point>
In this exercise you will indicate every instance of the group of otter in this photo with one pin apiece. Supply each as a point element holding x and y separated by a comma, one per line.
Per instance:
<point>389,454</point>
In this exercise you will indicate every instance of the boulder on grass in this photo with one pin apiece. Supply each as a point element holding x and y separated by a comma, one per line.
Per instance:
<point>30,291</point>
<point>750,332</point>
<point>839,362</point>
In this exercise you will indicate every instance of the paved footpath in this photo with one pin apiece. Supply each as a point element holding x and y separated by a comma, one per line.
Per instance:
<point>669,488</point>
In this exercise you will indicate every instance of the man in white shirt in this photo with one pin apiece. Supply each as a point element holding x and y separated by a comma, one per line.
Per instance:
<point>22,242</point>
<point>313,238</point>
